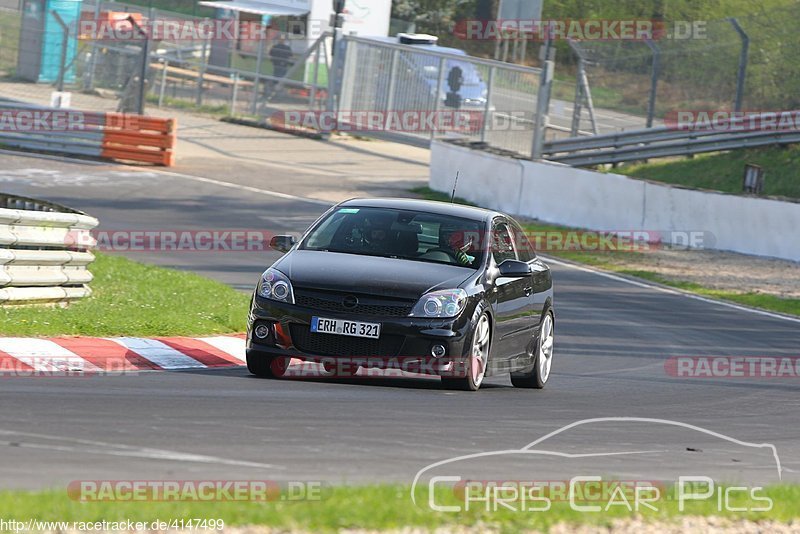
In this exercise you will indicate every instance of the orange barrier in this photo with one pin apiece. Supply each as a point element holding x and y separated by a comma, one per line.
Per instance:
<point>141,139</point>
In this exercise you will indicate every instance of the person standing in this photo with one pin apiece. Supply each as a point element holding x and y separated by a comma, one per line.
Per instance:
<point>281,56</point>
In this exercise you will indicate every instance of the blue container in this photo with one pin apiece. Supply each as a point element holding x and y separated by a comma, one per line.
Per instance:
<point>70,12</point>
<point>41,38</point>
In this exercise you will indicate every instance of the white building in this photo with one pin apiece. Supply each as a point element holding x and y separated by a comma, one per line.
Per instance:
<point>307,20</point>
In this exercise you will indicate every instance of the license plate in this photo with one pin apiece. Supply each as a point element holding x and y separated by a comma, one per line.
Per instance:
<point>345,328</point>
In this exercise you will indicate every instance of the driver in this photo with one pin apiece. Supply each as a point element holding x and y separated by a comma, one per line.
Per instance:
<point>376,231</point>
<point>452,239</point>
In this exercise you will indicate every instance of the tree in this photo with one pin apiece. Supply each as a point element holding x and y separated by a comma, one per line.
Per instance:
<point>435,16</point>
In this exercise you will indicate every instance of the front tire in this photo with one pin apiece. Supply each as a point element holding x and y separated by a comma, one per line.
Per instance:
<point>478,359</point>
<point>537,377</point>
<point>266,366</point>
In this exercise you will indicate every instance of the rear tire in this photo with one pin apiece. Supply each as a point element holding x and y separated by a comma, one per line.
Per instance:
<point>537,377</point>
<point>265,366</point>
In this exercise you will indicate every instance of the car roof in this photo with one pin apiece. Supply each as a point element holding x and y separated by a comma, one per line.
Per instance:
<point>430,48</point>
<point>425,206</point>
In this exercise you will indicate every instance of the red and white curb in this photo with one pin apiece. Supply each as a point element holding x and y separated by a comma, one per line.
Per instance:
<point>119,354</point>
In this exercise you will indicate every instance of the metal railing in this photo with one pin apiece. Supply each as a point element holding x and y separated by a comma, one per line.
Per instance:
<point>384,77</point>
<point>110,136</point>
<point>45,251</point>
<point>635,145</point>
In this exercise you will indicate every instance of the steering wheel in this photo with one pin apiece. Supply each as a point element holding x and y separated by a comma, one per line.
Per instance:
<point>449,253</point>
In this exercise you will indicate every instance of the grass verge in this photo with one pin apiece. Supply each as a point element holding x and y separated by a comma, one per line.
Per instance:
<point>724,171</point>
<point>621,262</point>
<point>133,299</point>
<point>385,507</point>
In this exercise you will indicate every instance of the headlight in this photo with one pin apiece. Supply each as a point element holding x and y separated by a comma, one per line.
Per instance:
<point>441,304</point>
<point>275,285</point>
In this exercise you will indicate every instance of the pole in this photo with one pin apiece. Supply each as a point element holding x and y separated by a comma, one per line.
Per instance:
<point>487,110</point>
<point>651,106</point>
<point>88,81</point>
<point>257,81</point>
<point>338,21</point>
<point>392,86</point>
<point>312,97</point>
<point>64,43</point>
<point>163,87</point>
<point>742,73</point>
<point>543,101</point>
<point>145,63</point>
<point>198,100</point>
<point>235,94</point>
<point>439,87</point>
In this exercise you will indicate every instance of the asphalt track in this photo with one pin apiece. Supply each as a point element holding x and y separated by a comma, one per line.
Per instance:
<point>613,338</point>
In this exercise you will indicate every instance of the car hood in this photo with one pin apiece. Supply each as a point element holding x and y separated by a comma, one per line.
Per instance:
<point>368,274</point>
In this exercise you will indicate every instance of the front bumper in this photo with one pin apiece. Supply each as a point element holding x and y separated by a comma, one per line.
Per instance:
<point>405,343</point>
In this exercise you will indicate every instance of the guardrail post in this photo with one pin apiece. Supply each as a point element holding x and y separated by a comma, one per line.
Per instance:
<point>64,43</point>
<point>651,106</point>
<point>743,55</point>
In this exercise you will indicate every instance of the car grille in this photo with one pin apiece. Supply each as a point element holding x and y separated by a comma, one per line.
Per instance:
<point>367,305</point>
<point>335,345</point>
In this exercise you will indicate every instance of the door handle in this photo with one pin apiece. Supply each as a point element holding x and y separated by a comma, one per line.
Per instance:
<point>528,291</point>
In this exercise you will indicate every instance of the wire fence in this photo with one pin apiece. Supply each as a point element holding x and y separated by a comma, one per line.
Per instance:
<point>492,102</point>
<point>747,63</point>
<point>600,86</point>
<point>104,52</point>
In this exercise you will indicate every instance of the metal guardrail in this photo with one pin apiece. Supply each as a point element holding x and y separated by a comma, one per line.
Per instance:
<point>94,134</point>
<point>45,251</point>
<point>661,142</point>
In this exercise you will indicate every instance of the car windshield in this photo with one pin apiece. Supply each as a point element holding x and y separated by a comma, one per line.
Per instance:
<point>403,234</point>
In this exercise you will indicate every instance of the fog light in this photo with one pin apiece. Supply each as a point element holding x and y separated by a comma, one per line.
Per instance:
<point>262,331</point>
<point>437,351</point>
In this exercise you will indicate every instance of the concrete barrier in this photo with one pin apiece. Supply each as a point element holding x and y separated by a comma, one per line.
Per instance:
<point>44,252</point>
<point>560,194</point>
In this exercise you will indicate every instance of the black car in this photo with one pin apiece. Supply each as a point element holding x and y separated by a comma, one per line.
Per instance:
<point>419,286</point>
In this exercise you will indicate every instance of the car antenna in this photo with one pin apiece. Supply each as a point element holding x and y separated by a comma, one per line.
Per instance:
<point>453,196</point>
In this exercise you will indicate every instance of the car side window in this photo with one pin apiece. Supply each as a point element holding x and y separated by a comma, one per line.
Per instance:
<point>502,243</point>
<point>523,245</point>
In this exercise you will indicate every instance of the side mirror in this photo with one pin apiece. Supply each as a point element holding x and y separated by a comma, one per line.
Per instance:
<point>514,269</point>
<point>281,243</point>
